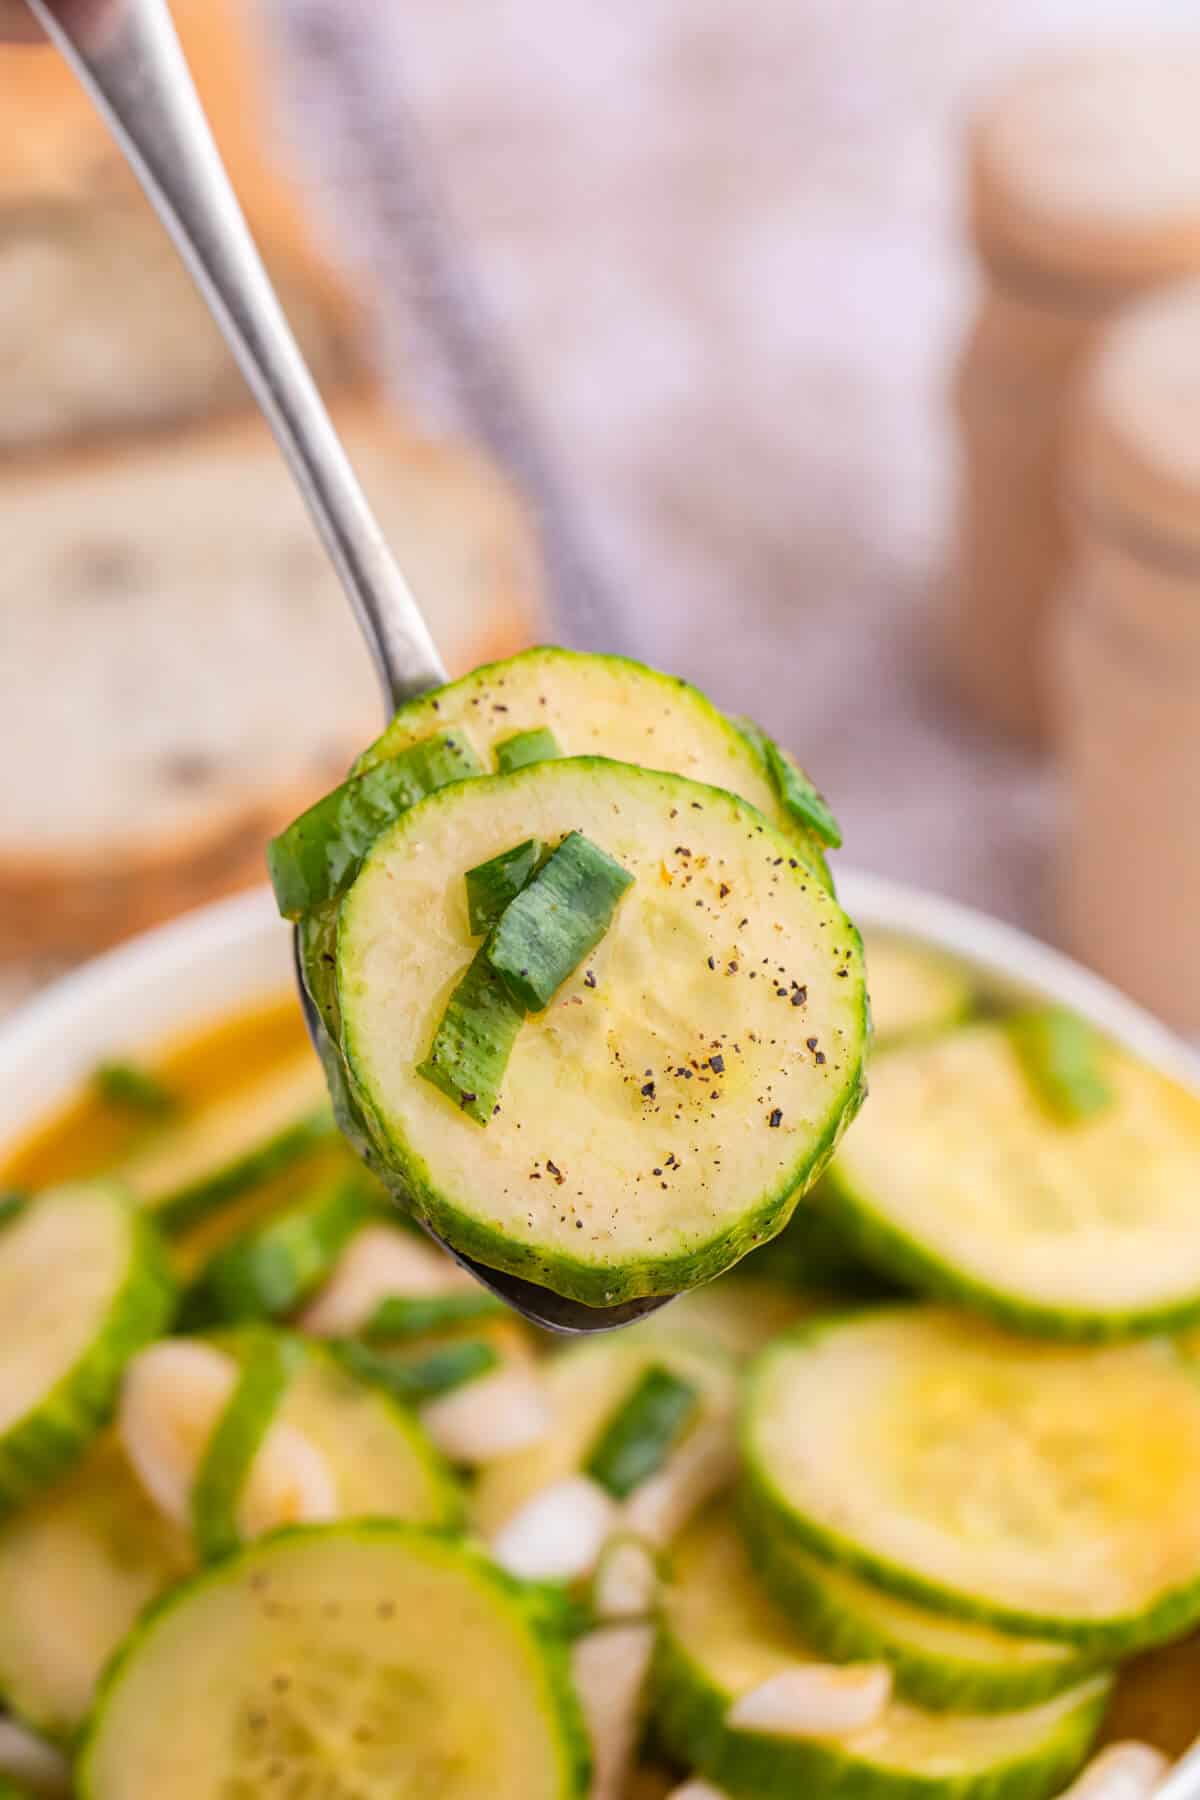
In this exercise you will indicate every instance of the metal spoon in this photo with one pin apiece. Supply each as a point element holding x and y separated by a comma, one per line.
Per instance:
<point>128,57</point>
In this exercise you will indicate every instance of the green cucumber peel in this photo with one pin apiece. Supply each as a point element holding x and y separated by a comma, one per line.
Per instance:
<point>130,1088</point>
<point>635,1442</point>
<point>267,1366</point>
<point>474,1040</point>
<point>317,857</point>
<point>414,1379</point>
<point>493,884</point>
<point>270,1271</point>
<point>524,747</point>
<point>556,920</point>
<point>794,790</point>
<point>401,1317</point>
<point>1061,1056</point>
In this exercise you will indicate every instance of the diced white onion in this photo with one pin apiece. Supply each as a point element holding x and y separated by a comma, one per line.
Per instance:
<point>558,1534</point>
<point>815,1700</point>
<point>610,1667</point>
<point>379,1261</point>
<point>172,1395</point>
<point>626,1583</point>
<point>1127,1771</point>
<point>700,1468</point>
<point>32,1763</point>
<point>491,1416</point>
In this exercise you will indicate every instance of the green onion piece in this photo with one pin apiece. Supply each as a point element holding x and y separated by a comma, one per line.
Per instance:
<point>474,1040</point>
<point>556,920</point>
<point>526,747</point>
<point>321,852</point>
<point>641,1434</point>
<point>401,1317</point>
<point>413,1379</point>
<point>134,1089</point>
<point>269,1272</point>
<point>235,1442</point>
<point>1063,1061</point>
<point>491,885</point>
<point>12,1201</point>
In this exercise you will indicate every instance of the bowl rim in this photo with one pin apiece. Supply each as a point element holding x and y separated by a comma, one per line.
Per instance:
<point>174,978</point>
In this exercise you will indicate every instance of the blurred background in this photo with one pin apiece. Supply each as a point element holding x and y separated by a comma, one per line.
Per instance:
<point>694,332</point>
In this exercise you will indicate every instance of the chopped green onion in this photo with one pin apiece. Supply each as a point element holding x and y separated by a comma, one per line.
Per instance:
<point>526,747</point>
<point>474,1041</point>
<point>321,852</point>
<point>134,1089</point>
<point>643,1431</point>
<point>491,885</point>
<point>1063,1061</point>
<point>401,1317</point>
<point>556,920</point>
<point>413,1379</point>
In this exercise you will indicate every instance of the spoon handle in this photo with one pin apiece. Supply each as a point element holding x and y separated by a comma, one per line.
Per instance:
<point>128,57</point>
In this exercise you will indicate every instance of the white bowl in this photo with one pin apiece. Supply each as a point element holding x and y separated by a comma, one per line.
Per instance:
<point>176,979</point>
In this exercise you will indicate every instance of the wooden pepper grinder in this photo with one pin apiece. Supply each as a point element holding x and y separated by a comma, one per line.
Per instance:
<point>1084,195</point>
<point>1126,661</point>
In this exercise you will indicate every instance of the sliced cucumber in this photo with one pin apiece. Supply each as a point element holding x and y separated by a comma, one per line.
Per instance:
<point>958,1180</point>
<point>331,1659</point>
<point>936,1661</point>
<point>494,883</point>
<point>636,1441</point>
<point>586,1387</point>
<point>721,1638</point>
<point>816,1253</point>
<point>525,747</point>
<point>622,1161</point>
<point>381,1461</point>
<point>272,1269</point>
<point>195,1166</point>
<point>793,789</point>
<point>557,919</point>
<point>76,1569</point>
<point>1053,1490</point>
<point>914,990</point>
<point>601,706</point>
<point>734,1314</point>
<point>318,856</point>
<point>268,1365</point>
<point>83,1285</point>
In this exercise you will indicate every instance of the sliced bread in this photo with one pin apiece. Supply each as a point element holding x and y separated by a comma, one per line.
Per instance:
<point>179,671</point>
<point>101,328</point>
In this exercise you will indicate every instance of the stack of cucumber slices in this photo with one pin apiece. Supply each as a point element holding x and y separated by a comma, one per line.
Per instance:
<point>589,1007</point>
<point>906,1507</point>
